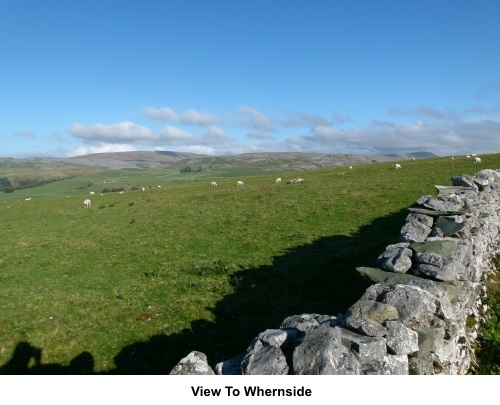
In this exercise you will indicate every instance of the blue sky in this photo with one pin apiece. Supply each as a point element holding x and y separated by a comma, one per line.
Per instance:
<point>235,76</point>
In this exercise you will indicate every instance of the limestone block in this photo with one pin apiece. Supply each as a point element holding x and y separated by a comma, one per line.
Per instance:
<point>195,363</point>
<point>365,326</point>
<point>389,365</point>
<point>273,337</point>
<point>301,322</point>
<point>400,339</point>
<point>396,258</point>
<point>322,353</point>
<point>415,306</point>
<point>377,311</point>
<point>263,359</point>
<point>428,257</point>
<point>438,273</point>
<point>365,348</point>
<point>450,225</point>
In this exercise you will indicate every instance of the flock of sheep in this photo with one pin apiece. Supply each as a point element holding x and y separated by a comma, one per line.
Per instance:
<point>87,203</point>
<point>239,183</point>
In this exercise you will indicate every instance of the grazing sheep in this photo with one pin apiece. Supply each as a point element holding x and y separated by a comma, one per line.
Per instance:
<point>350,167</point>
<point>278,180</point>
<point>477,160</point>
<point>27,199</point>
<point>452,158</point>
<point>397,166</point>
<point>468,156</point>
<point>86,203</point>
<point>120,192</point>
<point>213,184</point>
<point>240,183</point>
<point>92,193</point>
<point>295,181</point>
<point>143,189</point>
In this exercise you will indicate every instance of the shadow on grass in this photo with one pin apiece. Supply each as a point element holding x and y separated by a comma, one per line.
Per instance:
<point>314,278</point>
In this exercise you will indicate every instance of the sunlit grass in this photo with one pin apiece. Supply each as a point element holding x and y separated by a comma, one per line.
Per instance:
<point>140,279</point>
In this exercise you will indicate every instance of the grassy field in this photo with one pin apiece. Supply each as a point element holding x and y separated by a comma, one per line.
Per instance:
<point>134,283</point>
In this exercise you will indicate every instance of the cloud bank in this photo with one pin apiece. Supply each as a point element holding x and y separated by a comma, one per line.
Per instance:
<point>423,128</point>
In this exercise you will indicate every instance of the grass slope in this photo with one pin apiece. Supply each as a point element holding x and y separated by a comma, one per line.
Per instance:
<point>134,283</point>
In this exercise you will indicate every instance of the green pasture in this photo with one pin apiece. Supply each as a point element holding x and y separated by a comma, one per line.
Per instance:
<point>133,284</point>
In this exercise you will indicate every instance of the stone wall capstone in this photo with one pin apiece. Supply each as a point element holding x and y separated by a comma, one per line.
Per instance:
<point>420,315</point>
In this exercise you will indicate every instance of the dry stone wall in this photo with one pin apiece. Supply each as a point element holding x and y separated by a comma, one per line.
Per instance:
<point>420,315</point>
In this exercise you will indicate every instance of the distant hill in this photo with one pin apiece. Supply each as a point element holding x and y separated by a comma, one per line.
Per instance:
<point>416,155</point>
<point>123,160</point>
<point>29,172</point>
<point>285,160</point>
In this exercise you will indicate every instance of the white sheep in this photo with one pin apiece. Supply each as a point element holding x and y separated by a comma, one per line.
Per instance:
<point>477,160</point>
<point>240,183</point>
<point>350,167</point>
<point>278,180</point>
<point>294,181</point>
<point>397,166</point>
<point>92,193</point>
<point>143,189</point>
<point>213,184</point>
<point>86,203</point>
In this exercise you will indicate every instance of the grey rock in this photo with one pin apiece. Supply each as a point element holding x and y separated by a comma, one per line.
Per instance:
<point>301,322</point>
<point>264,359</point>
<point>457,269</point>
<point>438,273</point>
<point>389,365</point>
<point>446,190</point>
<point>365,348</point>
<point>415,306</point>
<point>442,247</point>
<point>376,311</point>
<point>450,225</point>
<point>322,353</point>
<point>396,258</point>
<point>481,183</point>
<point>414,231</point>
<point>365,326</point>
<point>440,204</point>
<point>273,337</point>
<point>195,363</point>
<point>400,339</point>
<point>463,181</point>
<point>429,258</point>
<point>379,276</point>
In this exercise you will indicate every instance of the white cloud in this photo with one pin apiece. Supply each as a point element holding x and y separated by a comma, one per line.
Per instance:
<point>442,133</point>
<point>258,135</point>
<point>100,148</point>
<point>216,135</point>
<point>253,118</point>
<point>121,132</point>
<point>173,136</point>
<point>441,138</point>
<point>189,117</point>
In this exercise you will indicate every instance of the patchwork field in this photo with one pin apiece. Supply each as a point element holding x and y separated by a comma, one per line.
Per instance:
<point>138,280</point>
